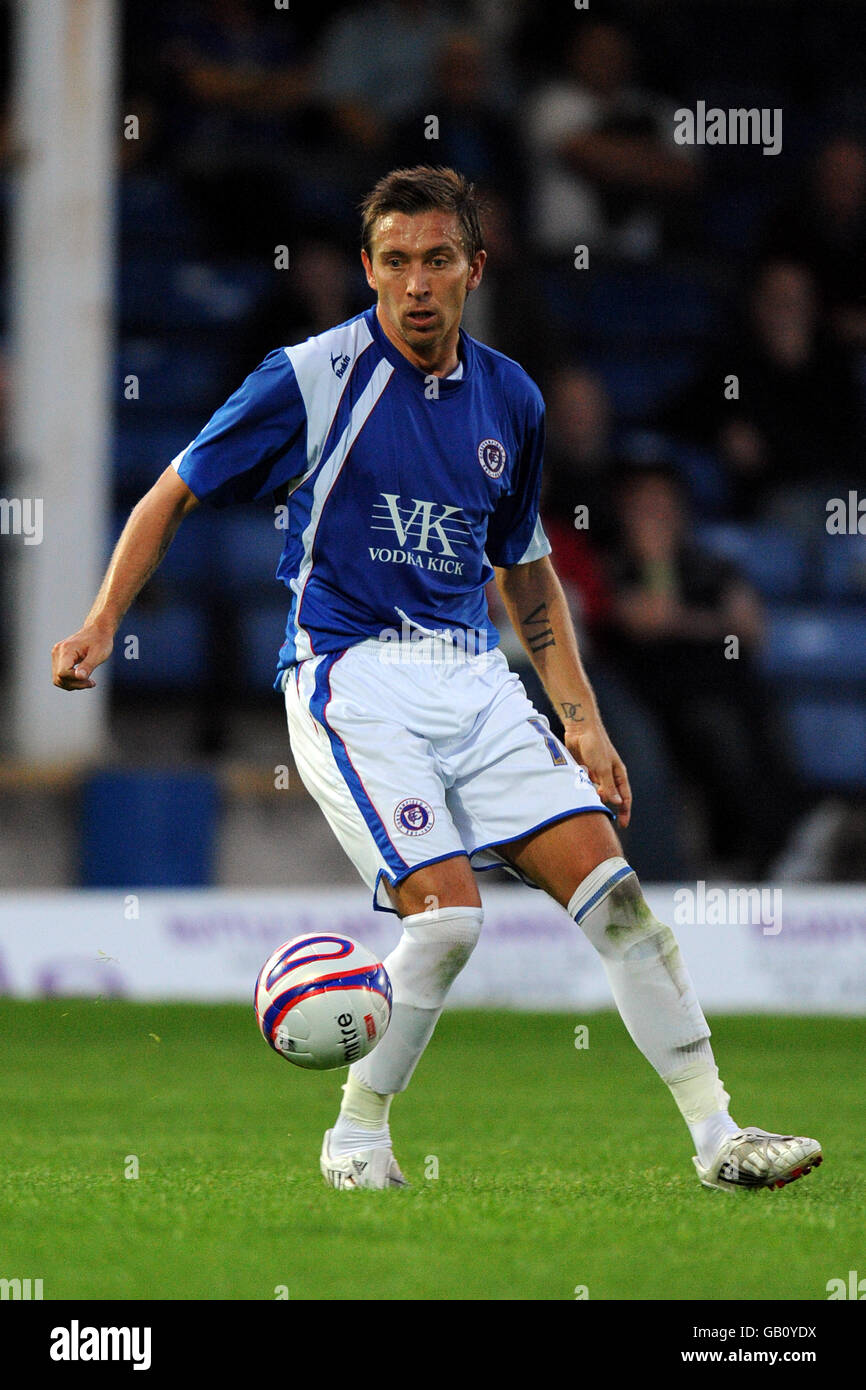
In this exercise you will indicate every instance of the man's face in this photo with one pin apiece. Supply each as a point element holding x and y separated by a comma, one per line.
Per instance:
<point>652,516</point>
<point>421,275</point>
<point>784,304</point>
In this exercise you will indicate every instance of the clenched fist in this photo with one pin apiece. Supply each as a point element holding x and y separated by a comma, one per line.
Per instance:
<point>75,658</point>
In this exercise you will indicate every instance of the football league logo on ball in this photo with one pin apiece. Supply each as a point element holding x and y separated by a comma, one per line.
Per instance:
<point>492,456</point>
<point>414,817</point>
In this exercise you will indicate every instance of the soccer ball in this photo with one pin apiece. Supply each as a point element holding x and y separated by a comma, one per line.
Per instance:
<point>323,1001</point>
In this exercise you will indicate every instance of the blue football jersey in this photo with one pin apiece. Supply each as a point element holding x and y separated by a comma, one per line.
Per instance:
<point>403,489</point>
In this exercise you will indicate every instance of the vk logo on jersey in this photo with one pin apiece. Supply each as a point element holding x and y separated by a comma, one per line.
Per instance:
<point>492,456</point>
<point>414,816</point>
<point>426,533</point>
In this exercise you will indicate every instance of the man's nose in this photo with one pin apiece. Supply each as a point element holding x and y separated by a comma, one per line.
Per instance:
<point>417,283</point>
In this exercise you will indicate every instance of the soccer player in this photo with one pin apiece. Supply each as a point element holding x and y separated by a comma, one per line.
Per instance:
<point>412,456</point>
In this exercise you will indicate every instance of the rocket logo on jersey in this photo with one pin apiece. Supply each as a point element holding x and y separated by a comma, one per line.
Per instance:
<point>426,533</point>
<point>492,456</point>
<point>414,816</point>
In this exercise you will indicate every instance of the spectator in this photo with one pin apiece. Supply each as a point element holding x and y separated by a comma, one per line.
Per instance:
<point>675,607</point>
<point>581,464</point>
<point>317,291</point>
<point>473,133</point>
<point>607,169</point>
<point>791,416</point>
<point>504,310</point>
<point>824,228</point>
<point>579,472</point>
<point>236,80</point>
<point>375,61</point>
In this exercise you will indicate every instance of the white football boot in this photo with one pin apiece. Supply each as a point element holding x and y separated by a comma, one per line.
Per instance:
<point>371,1168</point>
<point>753,1158</point>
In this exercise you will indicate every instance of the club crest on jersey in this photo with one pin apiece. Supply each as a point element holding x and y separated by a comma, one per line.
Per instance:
<point>492,456</point>
<point>414,816</point>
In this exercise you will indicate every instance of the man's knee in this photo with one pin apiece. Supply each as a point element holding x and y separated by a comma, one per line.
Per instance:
<point>450,883</point>
<point>433,949</point>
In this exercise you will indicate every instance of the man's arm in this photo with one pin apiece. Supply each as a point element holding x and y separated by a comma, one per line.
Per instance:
<point>144,540</point>
<point>629,161</point>
<point>538,610</point>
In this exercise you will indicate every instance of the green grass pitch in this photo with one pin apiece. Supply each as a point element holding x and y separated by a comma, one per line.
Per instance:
<point>559,1168</point>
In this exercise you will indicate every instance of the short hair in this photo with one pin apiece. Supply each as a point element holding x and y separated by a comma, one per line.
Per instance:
<point>425,189</point>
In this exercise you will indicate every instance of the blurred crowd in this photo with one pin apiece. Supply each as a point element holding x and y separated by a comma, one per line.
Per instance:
<point>744,405</point>
<point>272,124</point>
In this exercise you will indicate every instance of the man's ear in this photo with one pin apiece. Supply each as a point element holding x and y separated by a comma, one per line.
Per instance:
<point>368,270</point>
<point>476,270</point>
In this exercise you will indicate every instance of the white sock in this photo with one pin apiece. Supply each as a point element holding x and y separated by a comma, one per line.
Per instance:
<point>702,1100</point>
<point>649,981</point>
<point>655,997</point>
<point>362,1122</point>
<point>708,1134</point>
<point>424,964</point>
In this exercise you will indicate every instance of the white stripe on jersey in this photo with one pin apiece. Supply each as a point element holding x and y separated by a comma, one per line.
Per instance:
<point>361,410</point>
<point>315,364</point>
<point>179,458</point>
<point>538,546</point>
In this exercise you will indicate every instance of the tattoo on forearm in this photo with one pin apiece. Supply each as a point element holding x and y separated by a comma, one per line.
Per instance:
<point>539,632</point>
<point>572,712</point>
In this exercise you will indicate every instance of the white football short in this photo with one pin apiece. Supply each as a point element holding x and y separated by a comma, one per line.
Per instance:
<point>419,752</point>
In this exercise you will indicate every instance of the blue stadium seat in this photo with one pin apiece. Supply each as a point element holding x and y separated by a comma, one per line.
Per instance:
<point>561,302</point>
<point>148,829</point>
<point>172,648</point>
<point>151,212</point>
<point>772,559</point>
<point>171,378</point>
<point>706,478</point>
<point>166,295</point>
<point>843,567</point>
<point>236,550</point>
<point>639,383</point>
<point>262,625</point>
<point>190,561</point>
<point>249,549</point>
<point>828,739</point>
<point>816,645</point>
<point>651,304</point>
<point>143,448</point>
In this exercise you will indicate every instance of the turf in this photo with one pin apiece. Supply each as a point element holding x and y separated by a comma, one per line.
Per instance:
<point>537,1168</point>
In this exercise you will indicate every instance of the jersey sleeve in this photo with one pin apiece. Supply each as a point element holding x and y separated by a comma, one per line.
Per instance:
<point>515,535</point>
<point>254,443</point>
